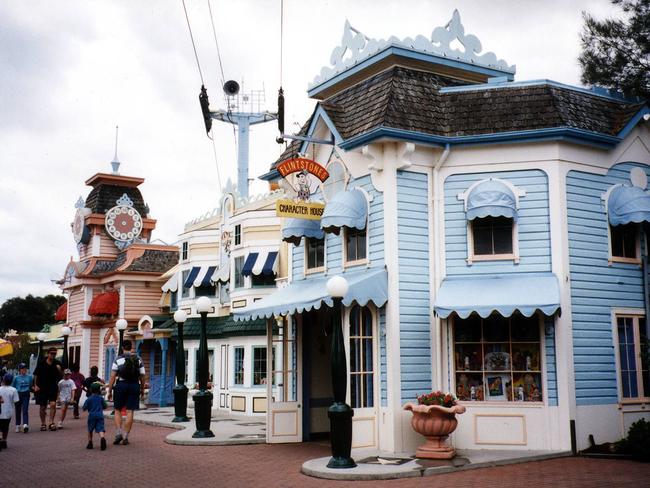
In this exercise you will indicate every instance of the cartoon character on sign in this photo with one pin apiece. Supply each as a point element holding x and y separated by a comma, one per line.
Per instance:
<point>303,185</point>
<point>226,242</point>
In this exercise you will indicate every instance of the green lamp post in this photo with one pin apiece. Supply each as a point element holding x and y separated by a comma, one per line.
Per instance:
<point>203,398</point>
<point>65,331</point>
<point>340,413</point>
<point>180,390</point>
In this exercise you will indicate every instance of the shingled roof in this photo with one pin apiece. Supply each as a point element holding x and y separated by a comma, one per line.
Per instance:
<point>154,261</point>
<point>417,101</point>
<point>104,197</point>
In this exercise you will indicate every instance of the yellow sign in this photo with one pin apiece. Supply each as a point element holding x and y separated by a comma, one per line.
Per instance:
<point>299,210</point>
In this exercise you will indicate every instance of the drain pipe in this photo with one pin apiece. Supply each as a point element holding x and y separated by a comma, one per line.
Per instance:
<point>437,269</point>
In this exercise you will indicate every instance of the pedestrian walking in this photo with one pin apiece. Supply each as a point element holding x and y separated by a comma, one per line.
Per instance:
<point>78,379</point>
<point>93,378</point>
<point>46,379</point>
<point>95,405</point>
<point>23,383</point>
<point>9,397</point>
<point>127,381</point>
<point>66,394</point>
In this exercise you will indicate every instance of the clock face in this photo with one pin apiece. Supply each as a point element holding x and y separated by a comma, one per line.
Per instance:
<point>79,229</point>
<point>123,223</point>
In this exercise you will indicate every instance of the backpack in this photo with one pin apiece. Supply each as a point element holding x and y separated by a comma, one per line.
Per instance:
<point>129,370</point>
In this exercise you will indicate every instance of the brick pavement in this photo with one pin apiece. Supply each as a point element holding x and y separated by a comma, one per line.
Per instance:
<point>55,459</point>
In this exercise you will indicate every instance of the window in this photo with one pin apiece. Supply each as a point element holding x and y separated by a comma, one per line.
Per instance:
<point>492,236</point>
<point>315,253</point>
<point>624,242</point>
<point>262,280</point>
<point>498,359</point>
<point>355,245</point>
<point>184,251</point>
<point>185,292</point>
<point>173,302</point>
<point>361,358</point>
<point>205,291</point>
<point>239,278</point>
<point>238,370</point>
<point>259,366</point>
<point>633,358</point>
<point>237,234</point>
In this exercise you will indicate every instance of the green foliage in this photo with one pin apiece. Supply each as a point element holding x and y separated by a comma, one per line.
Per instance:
<point>22,350</point>
<point>30,313</point>
<point>637,442</point>
<point>616,53</point>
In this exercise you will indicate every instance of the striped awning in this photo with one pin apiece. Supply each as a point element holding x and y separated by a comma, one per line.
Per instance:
<point>222,274</point>
<point>204,277</point>
<point>262,262</point>
<point>189,281</point>
<point>171,284</point>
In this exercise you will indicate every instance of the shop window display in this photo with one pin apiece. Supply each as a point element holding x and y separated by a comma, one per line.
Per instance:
<point>498,359</point>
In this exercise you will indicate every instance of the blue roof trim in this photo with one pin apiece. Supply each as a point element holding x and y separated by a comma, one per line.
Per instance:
<point>368,285</point>
<point>347,209</point>
<point>411,54</point>
<point>628,204</point>
<point>526,83</point>
<point>505,294</point>
<point>491,198</point>
<point>294,230</point>
<point>194,272</point>
<point>633,122</point>
<point>267,269</point>
<point>555,133</point>
<point>207,278</point>
<point>247,270</point>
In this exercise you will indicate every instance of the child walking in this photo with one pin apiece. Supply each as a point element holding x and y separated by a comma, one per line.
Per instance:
<point>66,394</point>
<point>8,398</point>
<point>95,405</point>
<point>23,383</point>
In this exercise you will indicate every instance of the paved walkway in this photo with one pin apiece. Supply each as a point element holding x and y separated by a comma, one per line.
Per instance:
<point>55,459</point>
<point>228,429</point>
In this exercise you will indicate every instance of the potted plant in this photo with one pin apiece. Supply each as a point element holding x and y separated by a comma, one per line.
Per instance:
<point>434,417</point>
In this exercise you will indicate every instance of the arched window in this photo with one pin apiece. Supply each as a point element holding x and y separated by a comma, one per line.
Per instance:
<point>362,391</point>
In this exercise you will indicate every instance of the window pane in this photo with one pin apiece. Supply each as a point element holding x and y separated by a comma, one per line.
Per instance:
<point>185,292</point>
<point>626,356</point>
<point>239,278</point>
<point>482,237</point>
<point>259,365</point>
<point>495,328</point>
<point>351,247</point>
<point>315,253</point>
<point>369,388</point>
<point>624,240</point>
<point>524,328</point>
<point>469,329</point>
<point>503,236</point>
<point>205,291</point>
<point>361,358</point>
<point>355,244</point>
<point>239,366</point>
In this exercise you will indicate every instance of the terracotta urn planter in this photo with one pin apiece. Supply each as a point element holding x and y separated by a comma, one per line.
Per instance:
<point>435,423</point>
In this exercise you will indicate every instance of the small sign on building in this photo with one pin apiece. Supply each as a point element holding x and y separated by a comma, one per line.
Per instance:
<point>299,210</point>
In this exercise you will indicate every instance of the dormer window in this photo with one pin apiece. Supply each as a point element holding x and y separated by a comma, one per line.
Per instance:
<point>627,207</point>
<point>493,236</point>
<point>624,241</point>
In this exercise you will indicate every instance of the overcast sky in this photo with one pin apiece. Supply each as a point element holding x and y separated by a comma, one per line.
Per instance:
<point>72,70</point>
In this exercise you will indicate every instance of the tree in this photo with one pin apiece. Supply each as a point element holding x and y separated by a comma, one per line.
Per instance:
<point>29,314</point>
<point>616,52</point>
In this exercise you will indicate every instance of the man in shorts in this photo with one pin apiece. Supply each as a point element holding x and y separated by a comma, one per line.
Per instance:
<point>127,382</point>
<point>46,378</point>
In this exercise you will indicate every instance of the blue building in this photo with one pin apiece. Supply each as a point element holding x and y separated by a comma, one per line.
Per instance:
<point>493,236</point>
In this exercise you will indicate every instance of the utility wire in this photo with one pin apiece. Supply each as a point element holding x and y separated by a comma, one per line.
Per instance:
<point>193,45</point>
<point>214,32</point>
<point>281,37</point>
<point>214,150</point>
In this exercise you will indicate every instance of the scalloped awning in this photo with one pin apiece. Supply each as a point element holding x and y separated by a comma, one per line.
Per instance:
<point>61,313</point>
<point>491,198</point>
<point>107,303</point>
<point>347,209</point>
<point>294,230</point>
<point>369,285</point>
<point>628,204</point>
<point>505,294</point>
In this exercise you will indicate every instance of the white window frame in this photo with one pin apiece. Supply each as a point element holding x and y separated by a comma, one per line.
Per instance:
<point>185,251</point>
<point>514,256</point>
<point>318,269</point>
<point>635,315</point>
<point>356,262</point>
<point>234,273</point>
<point>375,353</point>
<point>234,235</point>
<point>243,366</point>
<point>619,259</point>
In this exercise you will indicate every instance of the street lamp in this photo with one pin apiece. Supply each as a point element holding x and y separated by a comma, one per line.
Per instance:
<point>41,338</point>
<point>340,414</point>
<point>65,331</point>
<point>203,398</point>
<point>121,326</point>
<point>180,390</point>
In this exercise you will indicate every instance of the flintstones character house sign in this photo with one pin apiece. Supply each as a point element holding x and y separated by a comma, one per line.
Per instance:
<point>301,207</point>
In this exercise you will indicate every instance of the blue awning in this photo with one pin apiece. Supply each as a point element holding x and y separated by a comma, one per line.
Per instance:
<point>347,209</point>
<point>368,285</point>
<point>505,294</point>
<point>204,277</point>
<point>628,204</point>
<point>247,270</point>
<point>261,262</point>
<point>189,281</point>
<point>491,198</point>
<point>294,230</point>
